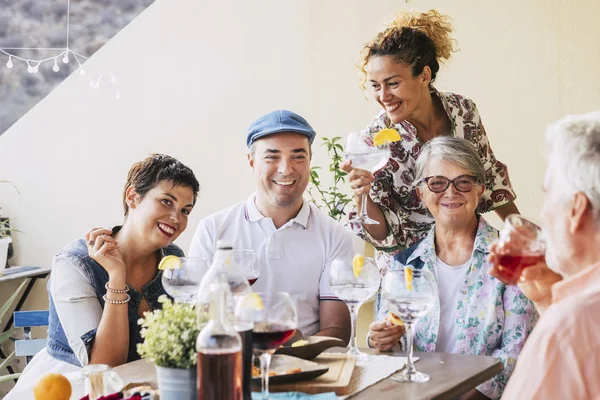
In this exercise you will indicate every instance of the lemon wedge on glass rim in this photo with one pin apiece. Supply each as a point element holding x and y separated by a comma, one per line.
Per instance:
<point>394,319</point>
<point>358,262</point>
<point>385,136</point>
<point>253,301</point>
<point>408,278</point>
<point>169,262</point>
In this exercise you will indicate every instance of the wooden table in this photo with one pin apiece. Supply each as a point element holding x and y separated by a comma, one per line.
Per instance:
<point>451,375</point>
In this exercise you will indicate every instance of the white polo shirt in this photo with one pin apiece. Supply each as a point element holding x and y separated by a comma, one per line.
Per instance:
<point>294,258</point>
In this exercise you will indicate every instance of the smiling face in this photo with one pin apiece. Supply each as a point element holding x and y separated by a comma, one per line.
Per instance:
<point>395,88</point>
<point>281,164</point>
<point>162,214</point>
<point>451,209</point>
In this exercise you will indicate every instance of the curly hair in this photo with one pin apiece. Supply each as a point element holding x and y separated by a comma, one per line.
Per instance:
<point>146,174</point>
<point>416,40</point>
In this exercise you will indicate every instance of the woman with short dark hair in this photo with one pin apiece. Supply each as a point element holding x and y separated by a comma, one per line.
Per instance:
<point>103,283</point>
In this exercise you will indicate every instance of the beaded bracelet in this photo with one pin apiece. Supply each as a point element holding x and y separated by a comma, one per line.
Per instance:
<point>117,290</point>
<point>107,300</point>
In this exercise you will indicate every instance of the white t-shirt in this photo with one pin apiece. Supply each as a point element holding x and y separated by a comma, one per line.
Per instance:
<point>295,258</point>
<point>450,280</point>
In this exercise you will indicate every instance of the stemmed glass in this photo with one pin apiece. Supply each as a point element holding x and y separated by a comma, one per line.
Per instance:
<point>182,283</point>
<point>354,284</point>
<point>247,263</point>
<point>520,245</point>
<point>410,294</point>
<point>364,155</point>
<point>274,323</point>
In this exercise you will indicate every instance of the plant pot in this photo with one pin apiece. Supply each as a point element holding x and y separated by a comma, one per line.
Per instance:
<point>4,242</point>
<point>176,384</point>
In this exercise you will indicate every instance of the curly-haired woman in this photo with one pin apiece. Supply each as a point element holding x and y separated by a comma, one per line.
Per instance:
<point>399,66</point>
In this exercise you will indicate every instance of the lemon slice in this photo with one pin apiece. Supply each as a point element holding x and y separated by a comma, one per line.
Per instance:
<point>357,264</point>
<point>301,342</point>
<point>408,278</point>
<point>169,262</point>
<point>253,301</point>
<point>386,135</point>
<point>394,319</point>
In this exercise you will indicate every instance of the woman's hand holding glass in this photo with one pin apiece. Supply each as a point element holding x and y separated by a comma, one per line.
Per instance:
<point>384,336</point>
<point>364,159</point>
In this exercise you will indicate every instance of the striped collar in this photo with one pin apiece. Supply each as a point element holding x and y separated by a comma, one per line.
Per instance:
<point>252,214</point>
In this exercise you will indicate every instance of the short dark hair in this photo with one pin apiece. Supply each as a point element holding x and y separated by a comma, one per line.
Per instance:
<point>146,174</point>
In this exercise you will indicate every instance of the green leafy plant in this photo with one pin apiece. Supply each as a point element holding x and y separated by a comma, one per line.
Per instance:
<point>5,336</point>
<point>170,334</point>
<point>5,229</point>
<point>331,200</point>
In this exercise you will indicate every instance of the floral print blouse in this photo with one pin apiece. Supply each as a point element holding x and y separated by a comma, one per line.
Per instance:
<point>393,191</point>
<point>491,318</point>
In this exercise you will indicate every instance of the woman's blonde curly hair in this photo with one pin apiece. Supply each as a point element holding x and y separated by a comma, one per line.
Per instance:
<point>413,39</point>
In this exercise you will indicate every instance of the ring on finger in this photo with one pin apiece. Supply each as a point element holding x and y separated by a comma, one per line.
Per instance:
<point>90,242</point>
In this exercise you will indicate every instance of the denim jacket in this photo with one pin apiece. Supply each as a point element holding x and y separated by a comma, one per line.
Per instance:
<point>492,318</point>
<point>77,253</point>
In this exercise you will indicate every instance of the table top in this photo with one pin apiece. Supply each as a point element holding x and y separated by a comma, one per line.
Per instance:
<point>12,273</point>
<point>451,375</point>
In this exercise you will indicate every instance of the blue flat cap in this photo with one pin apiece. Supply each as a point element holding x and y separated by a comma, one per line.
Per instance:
<point>279,121</point>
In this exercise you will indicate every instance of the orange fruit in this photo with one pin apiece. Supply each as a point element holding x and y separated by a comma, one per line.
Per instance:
<point>52,387</point>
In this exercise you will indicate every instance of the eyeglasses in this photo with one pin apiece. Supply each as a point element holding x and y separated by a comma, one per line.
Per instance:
<point>439,184</point>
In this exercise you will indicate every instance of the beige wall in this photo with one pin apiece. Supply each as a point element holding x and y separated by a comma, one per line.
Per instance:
<point>193,76</point>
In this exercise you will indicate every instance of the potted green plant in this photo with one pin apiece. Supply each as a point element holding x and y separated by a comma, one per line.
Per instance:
<point>170,344</point>
<point>5,238</point>
<point>330,199</point>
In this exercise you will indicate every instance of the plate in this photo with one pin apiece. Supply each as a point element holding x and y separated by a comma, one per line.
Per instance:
<point>316,345</point>
<point>282,363</point>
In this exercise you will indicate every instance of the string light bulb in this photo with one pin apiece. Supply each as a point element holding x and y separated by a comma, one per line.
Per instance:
<point>34,65</point>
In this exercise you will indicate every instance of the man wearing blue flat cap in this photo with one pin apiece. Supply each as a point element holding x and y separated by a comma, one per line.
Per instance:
<point>294,241</point>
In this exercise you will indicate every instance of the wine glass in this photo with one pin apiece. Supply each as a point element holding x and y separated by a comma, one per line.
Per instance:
<point>410,294</point>
<point>182,283</point>
<point>364,155</point>
<point>354,284</point>
<point>520,245</point>
<point>246,261</point>
<point>275,321</point>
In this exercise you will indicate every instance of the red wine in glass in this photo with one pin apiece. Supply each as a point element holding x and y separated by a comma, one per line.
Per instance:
<point>515,263</point>
<point>252,280</point>
<point>269,336</point>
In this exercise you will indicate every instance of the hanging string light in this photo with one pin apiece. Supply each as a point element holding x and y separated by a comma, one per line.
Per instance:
<point>64,52</point>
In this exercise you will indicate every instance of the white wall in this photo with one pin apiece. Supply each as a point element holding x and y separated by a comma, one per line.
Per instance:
<point>194,74</point>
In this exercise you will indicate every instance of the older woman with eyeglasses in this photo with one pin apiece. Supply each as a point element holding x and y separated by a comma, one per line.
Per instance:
<point>475,313</point>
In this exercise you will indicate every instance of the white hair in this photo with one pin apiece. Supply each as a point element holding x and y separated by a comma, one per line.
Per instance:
<point>574,156</point>
<point>453,150</point>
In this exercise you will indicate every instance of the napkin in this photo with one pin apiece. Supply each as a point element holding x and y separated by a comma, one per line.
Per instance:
<point>296,396</point>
